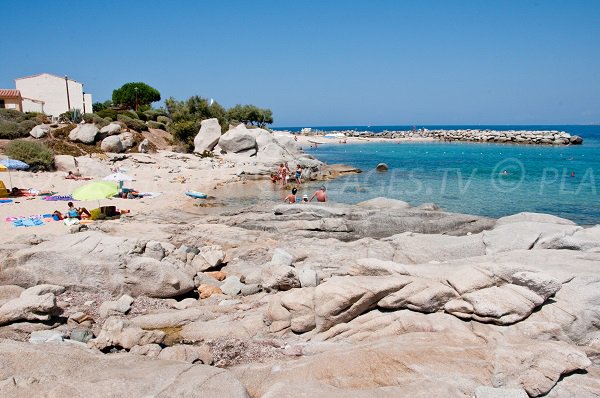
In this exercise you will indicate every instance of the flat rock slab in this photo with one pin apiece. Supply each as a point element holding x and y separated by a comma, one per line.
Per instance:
<point>59,370</point>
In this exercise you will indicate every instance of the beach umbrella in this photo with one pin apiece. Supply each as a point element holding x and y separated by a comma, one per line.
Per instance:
<point>118,177</point>
<point>96,190</point>
<point>13,164</point>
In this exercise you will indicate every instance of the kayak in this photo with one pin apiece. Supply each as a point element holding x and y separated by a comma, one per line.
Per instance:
<point>196,194</point>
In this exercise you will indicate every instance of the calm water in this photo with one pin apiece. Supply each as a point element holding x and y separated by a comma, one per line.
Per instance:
<point>468,177</point>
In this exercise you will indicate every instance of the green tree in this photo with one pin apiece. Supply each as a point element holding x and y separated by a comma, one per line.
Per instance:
<point>100,106</point>
<point>129,92</point>
<point>250,114</point>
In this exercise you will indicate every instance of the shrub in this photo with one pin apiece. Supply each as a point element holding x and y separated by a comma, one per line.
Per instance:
<point>156,125</point>
<point>9,115</point>
<point>36,155</point>
<point>26,125</point>
<point>163,119</point>
<point>72,116</point>
<point>134,124</point>
<point>88,117</point>
<point>184,132</point>
<point>111,113</point>
<point>63,132</point>
<point>154,114</point>
<point>10,130</point>
<point>142,116</point>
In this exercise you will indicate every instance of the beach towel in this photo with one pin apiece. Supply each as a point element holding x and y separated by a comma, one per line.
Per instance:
<point>5,201</point>
<point>28,222</point>
<point>55,198</point>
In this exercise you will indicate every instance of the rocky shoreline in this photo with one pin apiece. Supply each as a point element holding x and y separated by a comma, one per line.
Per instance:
<point>525,137</point>
<point>317,300</point>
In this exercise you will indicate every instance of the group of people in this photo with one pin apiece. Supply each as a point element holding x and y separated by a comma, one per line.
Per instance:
<point>72,213</point>
<point>320,194</point>
<point>284,174</point>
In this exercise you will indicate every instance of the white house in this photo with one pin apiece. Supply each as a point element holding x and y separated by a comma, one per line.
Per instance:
<point>52,94</point>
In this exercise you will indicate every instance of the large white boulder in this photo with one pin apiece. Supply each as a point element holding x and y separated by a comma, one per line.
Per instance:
<point>238,139</point>
<point>111,129</point>
<point>112,144</point>
<point>39,131</point>
<point>208,136</point>
<point>85,133</point>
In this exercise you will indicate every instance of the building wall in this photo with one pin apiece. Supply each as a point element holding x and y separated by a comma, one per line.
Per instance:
<point>53,91</point>
<point>12,103</point>
<point>32,106</point>
<point>87,101</point>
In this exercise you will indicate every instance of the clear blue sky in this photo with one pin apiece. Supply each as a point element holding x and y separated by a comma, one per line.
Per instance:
<point>326,62</point>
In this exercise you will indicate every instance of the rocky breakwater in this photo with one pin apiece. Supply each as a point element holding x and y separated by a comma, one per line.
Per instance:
<point>532,137</point>
<point>375,300</point>
<point>541,137</point>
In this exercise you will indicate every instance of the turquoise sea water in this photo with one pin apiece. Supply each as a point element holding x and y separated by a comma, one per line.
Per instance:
<point>468,177</point>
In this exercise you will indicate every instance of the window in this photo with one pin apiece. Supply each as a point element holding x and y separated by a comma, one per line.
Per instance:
<point>2,104</point>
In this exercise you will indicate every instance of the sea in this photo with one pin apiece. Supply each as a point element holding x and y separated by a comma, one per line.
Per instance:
<point>492,180</point>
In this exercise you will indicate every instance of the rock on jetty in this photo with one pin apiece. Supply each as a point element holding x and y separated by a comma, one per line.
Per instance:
<point>537,137</point>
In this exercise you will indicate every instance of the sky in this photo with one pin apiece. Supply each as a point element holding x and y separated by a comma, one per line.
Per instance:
<point>323,63</point>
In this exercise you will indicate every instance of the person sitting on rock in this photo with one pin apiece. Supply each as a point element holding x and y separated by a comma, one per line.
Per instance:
<point>291,198</point>
<point>321,195</point>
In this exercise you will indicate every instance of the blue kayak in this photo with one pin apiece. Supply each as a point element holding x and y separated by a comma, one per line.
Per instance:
<point>196,194</point>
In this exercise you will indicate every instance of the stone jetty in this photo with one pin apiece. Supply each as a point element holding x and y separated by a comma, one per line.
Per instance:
<point>532,137</point>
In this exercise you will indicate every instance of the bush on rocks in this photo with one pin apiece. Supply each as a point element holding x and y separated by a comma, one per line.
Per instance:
<point>134,124</point>
<point>36,155</point>
<point>10,130</point>
<point>156,125</point>
<point>163,119</point>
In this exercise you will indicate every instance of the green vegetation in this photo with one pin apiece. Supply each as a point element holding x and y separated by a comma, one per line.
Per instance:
<point>100,106</point>
<point>250,114</point>
<point>72,116</point>
<point>134,124</point>
<point>36,155</point>
<point>132,94</point>
<point>186,117</point>
<point>156,125</point>
<point>15,124</point>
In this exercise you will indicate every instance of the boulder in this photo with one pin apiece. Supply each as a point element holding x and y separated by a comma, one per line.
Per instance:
<point>208,136</point>
<point>39,131</point>
<point>280,277</point>
<point>238,140</point>
<point>9,292</point>
<point>82,335</point>
<point>524,235</point>
<point>308,277</point>
<point>112,144</point>
<point>149,350</point>
<point>187,353</point>
<point>281,257</point>
<point>111,129</point>
<point>46,336</point>
<point>491,392</point>
<point>212,255</point>
<point>232,286</point>
<point>205,291</point>
<point>28,307</point>
<point>144,146</point>
<point>382,167</point>
<point>67,371</point>
<point>289,144</point>
<point>85,133</point>
<point>119,307</point>
<point>341,299</point>
<point>64,163</point>
<point>127,139</point>
<point>104,263</point>
<point>122,333</point>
